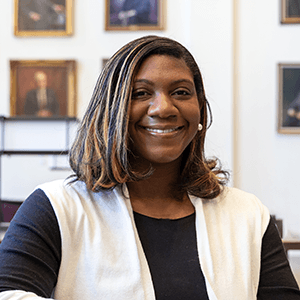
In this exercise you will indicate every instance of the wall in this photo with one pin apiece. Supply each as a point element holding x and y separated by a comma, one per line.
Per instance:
<point>205,27</point>
<point>237,46</point>
<point>237,43</point>
<point>268,162</point>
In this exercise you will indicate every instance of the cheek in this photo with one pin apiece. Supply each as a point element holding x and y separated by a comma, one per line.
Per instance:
<point>192,115</point>
<point>136,111</point>
<point>133,120</point>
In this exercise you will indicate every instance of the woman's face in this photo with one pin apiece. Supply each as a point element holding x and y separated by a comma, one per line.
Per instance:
<point>164,112</point>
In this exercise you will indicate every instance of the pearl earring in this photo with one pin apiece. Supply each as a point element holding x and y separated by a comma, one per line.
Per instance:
<point>200,127</point>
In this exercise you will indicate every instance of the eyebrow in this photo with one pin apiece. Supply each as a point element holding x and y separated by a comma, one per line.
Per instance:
<point>173,82</point>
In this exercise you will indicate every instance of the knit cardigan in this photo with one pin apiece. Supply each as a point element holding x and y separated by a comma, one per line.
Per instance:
<point>102,256</point>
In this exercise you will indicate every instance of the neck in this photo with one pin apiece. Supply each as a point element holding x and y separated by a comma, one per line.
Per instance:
<point>157,197</point>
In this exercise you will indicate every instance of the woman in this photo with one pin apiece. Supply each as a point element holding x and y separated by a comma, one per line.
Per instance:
<point>147,216</point>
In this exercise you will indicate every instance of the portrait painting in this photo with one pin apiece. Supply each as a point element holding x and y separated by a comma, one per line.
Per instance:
<point>289,98</point>
<point>290,11</point>
<point>43,17</point>
<point>43,89</point>
<point>134,15</point>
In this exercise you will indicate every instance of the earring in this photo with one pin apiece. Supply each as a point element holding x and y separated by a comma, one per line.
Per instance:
<point>200,127</point>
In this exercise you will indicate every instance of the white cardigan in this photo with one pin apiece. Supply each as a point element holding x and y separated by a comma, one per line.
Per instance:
<point>102,256</point>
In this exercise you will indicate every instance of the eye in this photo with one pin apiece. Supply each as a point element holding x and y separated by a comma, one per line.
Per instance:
<point>182,93</point>
<point>139,94</point>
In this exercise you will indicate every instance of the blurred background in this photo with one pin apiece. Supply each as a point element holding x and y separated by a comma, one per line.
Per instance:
<point>238,45</point>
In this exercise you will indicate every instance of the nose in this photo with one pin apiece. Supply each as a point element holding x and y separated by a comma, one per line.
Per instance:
<point>162,106</point>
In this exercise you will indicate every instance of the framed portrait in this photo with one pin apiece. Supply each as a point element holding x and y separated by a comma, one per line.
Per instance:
<point>134,15</point>
<point>290,11</point>
<point>43,17</point>
<point>43,88</point>
<point>289,98</point>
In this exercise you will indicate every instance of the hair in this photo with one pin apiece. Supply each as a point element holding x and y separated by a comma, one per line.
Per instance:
<point>100,153</point>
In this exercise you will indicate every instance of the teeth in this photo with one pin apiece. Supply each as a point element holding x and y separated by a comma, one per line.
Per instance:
<point>161,130</point>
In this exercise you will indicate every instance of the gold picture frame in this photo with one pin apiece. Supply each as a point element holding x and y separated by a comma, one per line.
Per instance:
<point>290,11</point>
<point>134,15</point>
<point>43,88</point>
<point>289,98</point>
<point>52,18</point>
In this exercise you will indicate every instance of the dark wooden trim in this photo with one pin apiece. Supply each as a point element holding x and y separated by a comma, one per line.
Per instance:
<point>33,118</point>
<point>34,152</point>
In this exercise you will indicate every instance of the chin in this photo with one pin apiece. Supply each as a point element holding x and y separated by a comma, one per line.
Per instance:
<point>165,159</point>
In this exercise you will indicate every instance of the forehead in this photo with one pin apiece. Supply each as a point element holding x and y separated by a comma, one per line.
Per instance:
<point>163,64</point>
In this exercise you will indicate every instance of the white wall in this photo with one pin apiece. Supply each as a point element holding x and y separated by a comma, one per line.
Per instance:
<point>203,26</point>
<point>237,43</point>
<point>244,137</point>
<point>269,162</point>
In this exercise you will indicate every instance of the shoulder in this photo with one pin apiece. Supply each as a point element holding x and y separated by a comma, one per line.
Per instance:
<point>50,91</point>
<point>31,93</point>
<point>64,192</point>
<point>69,187</point>
<point>81,212</point>
<point>36,207</point>
<point>35,219</point>
<point>242,202</point>
<point>236,198</point>
<point>237,207</point>
<point>69,196</point>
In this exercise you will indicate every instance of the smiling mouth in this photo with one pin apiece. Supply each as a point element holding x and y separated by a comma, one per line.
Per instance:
<point>157,130</point>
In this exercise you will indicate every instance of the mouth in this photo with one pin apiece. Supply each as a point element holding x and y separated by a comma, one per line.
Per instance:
<point>163,131</point>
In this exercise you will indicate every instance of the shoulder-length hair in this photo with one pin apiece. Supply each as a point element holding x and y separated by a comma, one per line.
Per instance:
<point>100,153</point>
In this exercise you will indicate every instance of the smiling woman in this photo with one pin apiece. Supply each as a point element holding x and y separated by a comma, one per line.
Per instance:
<point>146,214</point>
<point>164,111</point>
<point>106,162</point>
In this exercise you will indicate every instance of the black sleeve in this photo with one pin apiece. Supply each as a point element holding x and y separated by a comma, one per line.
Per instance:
<point>30,252</point>
<point>277,281</point>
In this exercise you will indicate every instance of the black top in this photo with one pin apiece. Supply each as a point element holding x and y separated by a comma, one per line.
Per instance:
<point>30,255</point>
<point>171,251</point>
